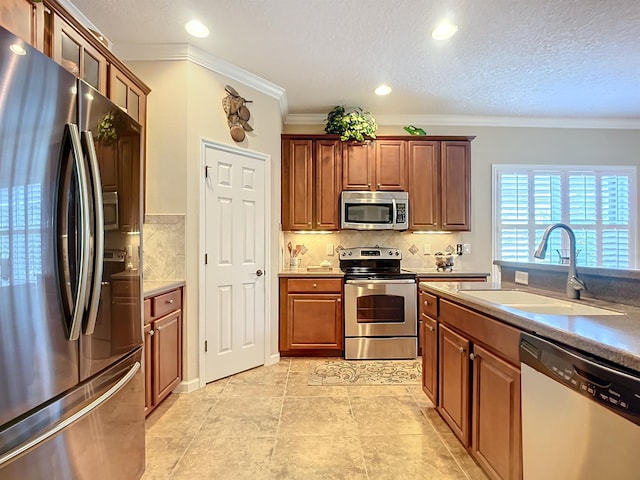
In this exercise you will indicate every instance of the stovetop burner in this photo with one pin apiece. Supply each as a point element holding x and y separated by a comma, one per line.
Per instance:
<point>373,263</point>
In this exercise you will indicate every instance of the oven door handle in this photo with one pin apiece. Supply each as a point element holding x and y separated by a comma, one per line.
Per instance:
<point>379,281</point>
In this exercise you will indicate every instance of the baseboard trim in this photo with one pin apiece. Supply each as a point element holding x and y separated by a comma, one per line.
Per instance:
<point>275,358</point>
<point>188,386</point>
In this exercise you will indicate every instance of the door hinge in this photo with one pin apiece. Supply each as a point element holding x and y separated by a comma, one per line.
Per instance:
<point>206,258</point>
<point>206,346</point>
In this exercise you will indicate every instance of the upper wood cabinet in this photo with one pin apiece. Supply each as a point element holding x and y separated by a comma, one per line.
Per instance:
<point>311,184</point>
<point>435,171</point>
<point>126,94</point>
<point>25,20</point>
<point>439,185</point>
<point>376,165</point>
<point>75,53</point>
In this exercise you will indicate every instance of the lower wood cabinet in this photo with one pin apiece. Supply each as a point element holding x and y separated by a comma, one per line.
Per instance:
<point>429,343</point>
<point>311,316</point>
<point>496,436</point>
<point>163,346</point>
<point>477,391</point>
<point>453,382</point>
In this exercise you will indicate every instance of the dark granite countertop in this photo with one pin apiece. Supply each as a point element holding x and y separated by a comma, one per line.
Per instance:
<point>151,288</point>
<point>303,272</point>
<point>432,272</point>
<point>615,338</point>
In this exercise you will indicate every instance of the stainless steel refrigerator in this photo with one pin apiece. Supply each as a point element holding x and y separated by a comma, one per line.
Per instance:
<point>71,385</point>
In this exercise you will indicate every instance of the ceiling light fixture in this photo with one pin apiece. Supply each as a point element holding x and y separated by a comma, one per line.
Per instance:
<point>444,30</point>
<point>197,28</point>
<point>383,90</point>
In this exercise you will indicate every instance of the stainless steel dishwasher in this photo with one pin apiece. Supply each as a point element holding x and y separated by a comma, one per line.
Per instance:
<point>580,416</point>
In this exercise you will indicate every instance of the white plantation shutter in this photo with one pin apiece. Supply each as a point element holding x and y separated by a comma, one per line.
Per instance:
<point>598,203</point>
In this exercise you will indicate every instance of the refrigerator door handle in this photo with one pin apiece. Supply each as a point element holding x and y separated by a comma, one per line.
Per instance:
<point>76,304</point>
<point>73,418</point>
<point>98,239</point>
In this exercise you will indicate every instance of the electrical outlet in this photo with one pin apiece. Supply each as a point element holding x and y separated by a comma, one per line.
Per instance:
<point>427,249</point>
<point>466,248</point>
<point>522,278</point>
<point>329,249</point>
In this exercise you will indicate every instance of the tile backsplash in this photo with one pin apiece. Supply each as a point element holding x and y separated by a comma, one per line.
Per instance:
<point>315,245</point>
<point>164,247</point>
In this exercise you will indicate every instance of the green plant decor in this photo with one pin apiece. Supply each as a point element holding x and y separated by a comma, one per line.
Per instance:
<point>107,131</point>
<point>354,125</point>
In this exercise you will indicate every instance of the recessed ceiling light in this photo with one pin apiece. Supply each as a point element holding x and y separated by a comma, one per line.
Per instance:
<point>444,30</point>
<point>383,90</point>
<point>197,28</point>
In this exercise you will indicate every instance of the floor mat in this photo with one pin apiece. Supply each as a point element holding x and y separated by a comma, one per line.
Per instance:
<point>366,372</point>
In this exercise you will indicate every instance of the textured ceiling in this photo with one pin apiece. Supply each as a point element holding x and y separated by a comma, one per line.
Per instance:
<point>538,58</point>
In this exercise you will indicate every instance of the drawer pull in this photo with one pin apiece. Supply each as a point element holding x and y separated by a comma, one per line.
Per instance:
<point>170,301</point>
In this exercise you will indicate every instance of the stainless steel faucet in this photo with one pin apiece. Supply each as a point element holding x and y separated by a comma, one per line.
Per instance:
<point>574,284</point>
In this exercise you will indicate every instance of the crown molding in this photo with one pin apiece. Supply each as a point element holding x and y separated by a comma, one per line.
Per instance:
<point>187,52</point>
<point>481,121</point>
<point>80,17</point>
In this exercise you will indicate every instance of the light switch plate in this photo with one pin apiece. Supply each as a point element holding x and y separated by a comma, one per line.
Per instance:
<point>466,248</point>
<point>427,249</point>
<point>522,278</point>
<point>330,249</point>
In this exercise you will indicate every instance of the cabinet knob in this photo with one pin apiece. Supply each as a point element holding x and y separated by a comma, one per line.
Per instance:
<point>170,301</point>
<point>369,185</point>
<point>309,223</point>
<point>426,303</point>
<point>158,328</point>
<point>315,285</point>
<point>339,300</point>
<point>431,329</point>
<point>151,332</point>
<point>472,356</point>
<point>461,349</point>
<point>378,185</point>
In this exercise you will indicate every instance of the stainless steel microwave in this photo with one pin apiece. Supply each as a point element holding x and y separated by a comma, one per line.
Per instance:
<point>374,210</point>
<point>110,204</point>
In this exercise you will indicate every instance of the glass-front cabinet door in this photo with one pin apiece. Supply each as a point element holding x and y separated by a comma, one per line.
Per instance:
<point>74,53</point>
<point>124,93</point>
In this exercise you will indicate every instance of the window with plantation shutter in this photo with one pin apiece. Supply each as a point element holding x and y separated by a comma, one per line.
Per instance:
<point>598,203</point>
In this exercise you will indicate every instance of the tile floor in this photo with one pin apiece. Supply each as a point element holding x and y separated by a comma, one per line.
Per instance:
<point>267,423</point>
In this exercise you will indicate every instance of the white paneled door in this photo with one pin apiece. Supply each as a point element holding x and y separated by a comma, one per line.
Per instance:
<point>234,270</point>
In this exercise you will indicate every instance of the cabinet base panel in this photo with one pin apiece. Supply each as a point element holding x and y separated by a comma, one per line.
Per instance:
<point>361,348</point>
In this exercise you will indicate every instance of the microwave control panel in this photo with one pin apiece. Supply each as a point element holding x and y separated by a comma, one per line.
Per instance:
<point>401,213</point>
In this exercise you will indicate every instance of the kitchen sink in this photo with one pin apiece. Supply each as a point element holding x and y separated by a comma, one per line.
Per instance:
<point>534,303</point>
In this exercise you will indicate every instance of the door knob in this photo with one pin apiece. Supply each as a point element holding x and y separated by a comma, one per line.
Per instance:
<point>259,273</point>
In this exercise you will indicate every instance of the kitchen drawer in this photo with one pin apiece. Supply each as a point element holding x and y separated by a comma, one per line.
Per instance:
<point>147,310</point>
<point>168,302</point>
<point>124,288</point>
<point>322,285</point>
<point>429,304</point>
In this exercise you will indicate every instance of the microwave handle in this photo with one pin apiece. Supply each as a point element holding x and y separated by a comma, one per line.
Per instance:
<point>395,210</point>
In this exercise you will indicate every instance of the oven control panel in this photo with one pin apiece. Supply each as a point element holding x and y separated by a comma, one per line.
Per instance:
<point>365,253</point>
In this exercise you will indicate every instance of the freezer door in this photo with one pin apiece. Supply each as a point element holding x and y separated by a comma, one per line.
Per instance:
<point>95,432</point>
<point>111,143</point>
<point>37,100</point>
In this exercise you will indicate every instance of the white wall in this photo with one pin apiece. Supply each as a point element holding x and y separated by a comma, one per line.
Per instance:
<point>185,106</point>
<point>519,145</point>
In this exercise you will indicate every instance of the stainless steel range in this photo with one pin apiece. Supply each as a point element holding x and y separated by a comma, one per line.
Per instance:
<point>380,304</point>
